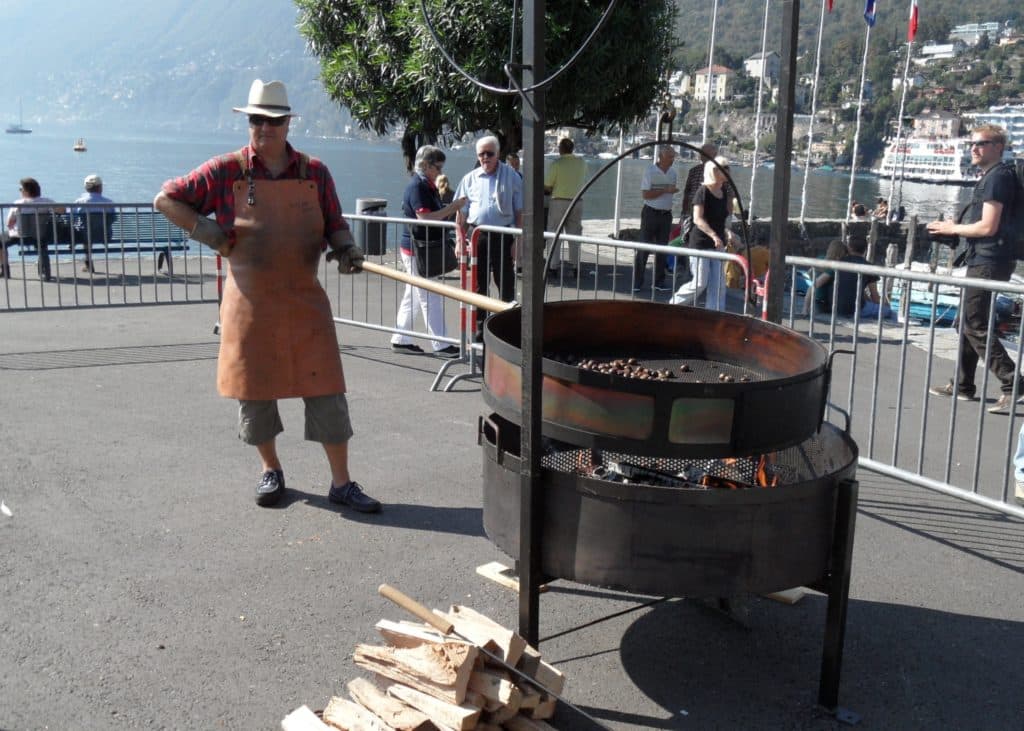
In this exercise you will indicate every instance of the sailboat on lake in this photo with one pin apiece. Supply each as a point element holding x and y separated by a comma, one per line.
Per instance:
<point>19,128</point>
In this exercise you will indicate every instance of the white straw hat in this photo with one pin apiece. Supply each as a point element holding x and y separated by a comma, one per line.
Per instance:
<point>269,99</point>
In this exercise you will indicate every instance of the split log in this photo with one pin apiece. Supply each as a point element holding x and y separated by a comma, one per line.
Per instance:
<point>410,634</point>
<point>496,688</point>
<point>442,670</point>
<point>487,633</point>
<point>303,719</point>
<point>545,709</point>
<point>543,672</point>
<point>450,715</point>
<point>344,714</point>
<point>393,712</point>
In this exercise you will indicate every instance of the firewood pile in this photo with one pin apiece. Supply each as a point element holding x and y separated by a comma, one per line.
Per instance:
<point>425,679</point>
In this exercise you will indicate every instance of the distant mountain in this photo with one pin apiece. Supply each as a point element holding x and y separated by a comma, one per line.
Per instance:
<point>174,65</point>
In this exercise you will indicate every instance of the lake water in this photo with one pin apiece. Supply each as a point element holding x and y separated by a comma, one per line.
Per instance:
<point>133,168</point>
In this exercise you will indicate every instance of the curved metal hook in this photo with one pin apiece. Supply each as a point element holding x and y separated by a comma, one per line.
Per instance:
<point>516,89</point>
<point>614,161</point>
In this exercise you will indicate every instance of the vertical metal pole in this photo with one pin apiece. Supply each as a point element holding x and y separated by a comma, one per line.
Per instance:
<point>530,517</point>
<point>783,155</point>
<point>838,594</point>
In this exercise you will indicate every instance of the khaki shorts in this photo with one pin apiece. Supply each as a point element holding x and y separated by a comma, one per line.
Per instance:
<point>327,420</point>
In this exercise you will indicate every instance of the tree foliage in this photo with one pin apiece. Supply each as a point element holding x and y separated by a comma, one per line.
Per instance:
<point>378,59</point>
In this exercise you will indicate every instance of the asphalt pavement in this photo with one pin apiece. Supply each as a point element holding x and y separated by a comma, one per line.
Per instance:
<point>142,588</point>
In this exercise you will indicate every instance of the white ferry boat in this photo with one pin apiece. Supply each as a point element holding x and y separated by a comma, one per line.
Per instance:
<point>931,160</point>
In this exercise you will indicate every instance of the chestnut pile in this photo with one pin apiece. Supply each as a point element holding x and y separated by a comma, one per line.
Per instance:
<point>634,368</point>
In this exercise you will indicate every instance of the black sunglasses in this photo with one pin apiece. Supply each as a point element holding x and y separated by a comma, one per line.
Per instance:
<point>256,120</point>
<point>486,153</point>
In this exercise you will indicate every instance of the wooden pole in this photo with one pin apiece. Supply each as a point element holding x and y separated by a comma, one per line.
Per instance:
<point>446,290</point>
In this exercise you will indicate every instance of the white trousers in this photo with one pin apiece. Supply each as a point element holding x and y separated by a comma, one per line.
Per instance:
<point>707,276</point>
<point>429,303</point>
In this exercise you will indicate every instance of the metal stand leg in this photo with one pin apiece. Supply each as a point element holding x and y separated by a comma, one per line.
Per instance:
<point>838,582</point>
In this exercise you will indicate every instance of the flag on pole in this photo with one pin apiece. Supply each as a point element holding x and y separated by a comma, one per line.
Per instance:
<point>912,28</point>
<point>869,12</point>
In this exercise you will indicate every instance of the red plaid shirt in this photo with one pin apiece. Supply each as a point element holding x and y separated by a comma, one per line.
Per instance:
<point>208,187</point>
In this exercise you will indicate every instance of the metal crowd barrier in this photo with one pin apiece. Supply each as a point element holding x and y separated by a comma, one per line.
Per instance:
<point>135,256</point>
<point>885,366</point>
<point>881,374</point>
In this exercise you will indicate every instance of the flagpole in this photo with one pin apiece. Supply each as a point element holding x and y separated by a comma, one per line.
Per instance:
<point>814,110</point>
<point>757,118</point>
<point>856,134</point>
<point>899,125</point>
<point>711,56</point>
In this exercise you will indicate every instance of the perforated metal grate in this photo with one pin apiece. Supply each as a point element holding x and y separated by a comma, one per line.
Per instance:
<point>816,457</point>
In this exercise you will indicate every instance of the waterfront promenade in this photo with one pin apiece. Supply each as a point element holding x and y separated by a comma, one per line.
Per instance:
<point>142,587</point>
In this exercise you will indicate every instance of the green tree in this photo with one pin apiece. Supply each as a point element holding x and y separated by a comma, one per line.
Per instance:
<point>378,59</point>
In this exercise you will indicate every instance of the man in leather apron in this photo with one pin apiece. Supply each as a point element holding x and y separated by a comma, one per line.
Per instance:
<point>274,210</point>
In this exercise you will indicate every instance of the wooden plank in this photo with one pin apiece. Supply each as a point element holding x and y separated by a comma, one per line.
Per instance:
<point>501,574</point>
<point>303,719</point>
<point>487,633</point>
<point>391,711</point>
<point>460,717</point>
<point>442,670</point>
<point>350,716</point>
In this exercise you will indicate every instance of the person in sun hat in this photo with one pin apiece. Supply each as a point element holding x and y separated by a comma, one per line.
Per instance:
<point>94,217</point>
<point>275,210</point>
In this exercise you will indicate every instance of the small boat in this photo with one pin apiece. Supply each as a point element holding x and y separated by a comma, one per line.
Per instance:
<point>19,128</point>
<point>79,145</point>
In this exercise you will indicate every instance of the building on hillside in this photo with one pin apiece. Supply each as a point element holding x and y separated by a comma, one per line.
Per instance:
<point>1008,116</point>
<point>971,33</point>
<point>932,52</point>
<point>913,81</point>
<point>851,89</point>
<point>698,83</point>
<point>938,124</point>
<point>764,65</point>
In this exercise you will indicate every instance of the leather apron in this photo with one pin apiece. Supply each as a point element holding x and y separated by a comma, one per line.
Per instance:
<point>278,338</point>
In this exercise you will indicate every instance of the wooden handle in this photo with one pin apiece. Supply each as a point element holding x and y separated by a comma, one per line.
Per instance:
<point>470,298</point>
<point>416,609</point>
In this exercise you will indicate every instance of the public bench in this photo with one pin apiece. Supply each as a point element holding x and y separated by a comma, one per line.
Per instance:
<point>131,232</point>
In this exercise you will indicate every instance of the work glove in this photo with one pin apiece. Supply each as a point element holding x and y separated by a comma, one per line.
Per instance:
<point>207,231</point>
<point>349,258</point>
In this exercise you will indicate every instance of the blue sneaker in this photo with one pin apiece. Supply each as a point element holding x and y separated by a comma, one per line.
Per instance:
<point>352,495</point>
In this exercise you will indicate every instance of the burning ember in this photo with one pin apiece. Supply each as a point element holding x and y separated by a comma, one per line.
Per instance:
<point>728,473</point>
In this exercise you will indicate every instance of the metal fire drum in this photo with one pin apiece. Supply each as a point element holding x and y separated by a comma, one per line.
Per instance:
<point>774,398</point>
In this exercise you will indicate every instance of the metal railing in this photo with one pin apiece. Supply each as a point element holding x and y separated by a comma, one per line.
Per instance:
<point>903,430</point>
<point>936,442</point>
<point>135,257</point>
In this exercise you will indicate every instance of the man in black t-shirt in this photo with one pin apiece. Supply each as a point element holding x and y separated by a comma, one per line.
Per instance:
<point>848,300</point>
<point>985,228</point>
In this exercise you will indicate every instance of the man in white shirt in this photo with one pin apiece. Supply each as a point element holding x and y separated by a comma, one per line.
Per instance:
<point>658,187</point>
<point>495,193</point>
